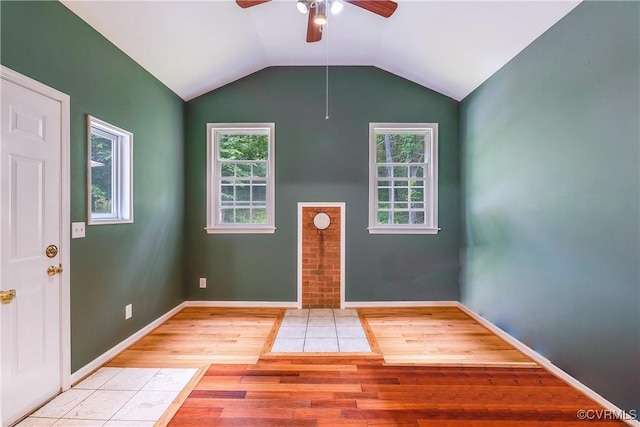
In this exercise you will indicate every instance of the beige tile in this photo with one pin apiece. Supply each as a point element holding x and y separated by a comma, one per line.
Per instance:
<point>291,332</point>
<point>170,379</point>
<point>62,404</point>
<point>345,312</point>
<point>146,406</point>
<point>37,422</point>
<point>285,345</point>
<point>321,345</point>
<point>348,321</point>
<point>98,378</point>
<point>65,422</point>
<point>350,332</point>
<point>320,312</point>
<point>321,321</point>
<point>354,344</point>
<point>321,332</point>
<point>101,405</point>
<point>294,312</point>
<point>130,379</point>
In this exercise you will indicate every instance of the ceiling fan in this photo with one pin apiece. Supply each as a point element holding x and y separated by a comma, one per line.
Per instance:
<point>317,11</point>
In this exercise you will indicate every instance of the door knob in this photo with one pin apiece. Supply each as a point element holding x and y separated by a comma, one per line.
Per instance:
<point>53,270</point>
<point>51,251</point>
<point>7,296</point>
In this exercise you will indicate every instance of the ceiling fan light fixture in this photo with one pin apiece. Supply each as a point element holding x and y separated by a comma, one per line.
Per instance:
<point>303,6</point>
<point>320,17</point>
<point>336,6</point>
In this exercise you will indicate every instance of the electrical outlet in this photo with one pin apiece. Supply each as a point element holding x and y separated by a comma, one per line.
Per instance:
<point>77,230</point>
<point>203,282</point>
<point>128,311</point>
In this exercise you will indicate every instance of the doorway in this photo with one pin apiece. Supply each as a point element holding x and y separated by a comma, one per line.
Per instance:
<point>34,253</point>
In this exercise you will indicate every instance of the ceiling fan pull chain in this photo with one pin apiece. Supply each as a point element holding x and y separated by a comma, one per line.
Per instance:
<point>327,74</point>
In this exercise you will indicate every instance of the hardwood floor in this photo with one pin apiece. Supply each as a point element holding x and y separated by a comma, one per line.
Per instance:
<point>338,391</point>
<point>423,372</point>
<point>437,336</point>
<point>200,336</point>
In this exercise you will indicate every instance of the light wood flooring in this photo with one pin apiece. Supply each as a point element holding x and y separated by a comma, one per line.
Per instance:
<point>200,336</point>
<point>437,336</point>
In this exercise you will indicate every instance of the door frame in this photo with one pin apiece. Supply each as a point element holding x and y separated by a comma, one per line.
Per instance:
<point>65,213</point>
<point>343,221</point>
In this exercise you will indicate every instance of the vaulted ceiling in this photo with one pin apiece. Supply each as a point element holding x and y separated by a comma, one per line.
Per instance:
<point>197,46</point>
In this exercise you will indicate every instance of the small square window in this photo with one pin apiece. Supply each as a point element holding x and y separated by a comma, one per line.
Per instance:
<point>110,181</point>
<point>403,178</point>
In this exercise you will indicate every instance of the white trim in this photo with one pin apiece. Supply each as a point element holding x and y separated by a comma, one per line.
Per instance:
<point>343,221</point>
<point>399,229</point>
<point>122,345</point>
<point>241,230</point>
<point>243,304</point>
<point>546,363</point>
<point>390,304</point>
<point>65,212</point>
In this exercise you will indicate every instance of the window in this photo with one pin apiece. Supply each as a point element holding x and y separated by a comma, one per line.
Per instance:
<point>240,178</point>
<point>403,178</point>
<point>110,173</point>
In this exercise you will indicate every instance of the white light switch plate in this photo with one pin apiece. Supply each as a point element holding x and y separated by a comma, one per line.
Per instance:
<point>77,230</point>
<point>128,311</point>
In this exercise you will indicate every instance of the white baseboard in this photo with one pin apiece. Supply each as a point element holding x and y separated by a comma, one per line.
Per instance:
<point>243,304</point>
<point>547,364</point>
<point>115,350</point>
<point>392,304</point>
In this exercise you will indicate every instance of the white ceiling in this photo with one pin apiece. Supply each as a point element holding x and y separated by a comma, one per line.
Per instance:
<point>197,46</point>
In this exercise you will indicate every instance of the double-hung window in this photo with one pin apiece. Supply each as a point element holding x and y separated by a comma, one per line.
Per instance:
<point>110,177</point>
<point>240,178</point>
<point>403,178</point>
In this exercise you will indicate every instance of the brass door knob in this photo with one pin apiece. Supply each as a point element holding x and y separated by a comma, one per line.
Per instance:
<point>7,296</point>
<point>51,251</point>
<point>53,270</point>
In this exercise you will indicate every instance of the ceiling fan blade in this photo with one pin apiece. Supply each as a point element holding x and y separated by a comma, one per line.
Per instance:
<point>314,32</point>
<point>248,3</point>
<point>380,7</point>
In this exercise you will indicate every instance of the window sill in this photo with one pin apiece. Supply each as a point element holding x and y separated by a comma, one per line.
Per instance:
<point>402,230</point>
<point>109,221</point>
<point>240,230</point>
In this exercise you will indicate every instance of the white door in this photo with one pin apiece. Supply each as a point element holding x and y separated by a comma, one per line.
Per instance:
<point>30,162</point>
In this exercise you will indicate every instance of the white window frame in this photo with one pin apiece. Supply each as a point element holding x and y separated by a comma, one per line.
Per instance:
<point>431,179</point>
<point>214,225</point>
<point>122,174</point>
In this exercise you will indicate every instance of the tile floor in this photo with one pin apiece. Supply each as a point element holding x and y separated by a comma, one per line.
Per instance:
<point>126,397</point>
<point>321,330</point>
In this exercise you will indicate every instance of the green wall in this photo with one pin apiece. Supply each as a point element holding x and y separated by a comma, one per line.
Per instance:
<point>552,188</point>
<point>322,160</point>
<point>114,265</point>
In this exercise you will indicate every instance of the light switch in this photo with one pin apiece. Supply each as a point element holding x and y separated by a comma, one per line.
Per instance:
<point>77,230</point>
